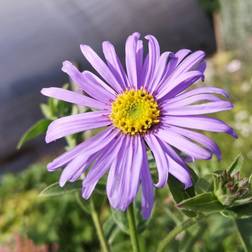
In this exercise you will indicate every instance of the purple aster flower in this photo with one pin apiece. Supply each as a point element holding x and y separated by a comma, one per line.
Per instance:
<point>145,106</point>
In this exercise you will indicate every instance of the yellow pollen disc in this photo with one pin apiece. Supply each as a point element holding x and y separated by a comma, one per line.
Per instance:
<point>135,111</point>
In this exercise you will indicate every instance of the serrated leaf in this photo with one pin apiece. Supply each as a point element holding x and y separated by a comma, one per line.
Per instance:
<point>205,202</point>
<point>236,164</point>
<point>37,129</point>
<point>244,228</point>
<point>55,190</point>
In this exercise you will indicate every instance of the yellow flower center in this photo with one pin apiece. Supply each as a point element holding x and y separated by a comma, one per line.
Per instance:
<point>135,111</point>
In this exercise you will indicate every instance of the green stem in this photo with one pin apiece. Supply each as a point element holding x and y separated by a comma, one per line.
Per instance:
<point>177,230</point>
<point>98,227</point>
<point>132,229</point>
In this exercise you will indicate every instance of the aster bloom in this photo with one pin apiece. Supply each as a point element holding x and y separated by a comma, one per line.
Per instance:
<point>143,106</point>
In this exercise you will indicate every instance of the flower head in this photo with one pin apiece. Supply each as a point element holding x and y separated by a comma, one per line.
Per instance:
<point>145,106</point>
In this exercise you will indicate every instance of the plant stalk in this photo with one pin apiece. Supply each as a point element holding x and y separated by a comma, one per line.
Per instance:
<point>177,230</point>
<point>98,227</point>
<point>132,229</point>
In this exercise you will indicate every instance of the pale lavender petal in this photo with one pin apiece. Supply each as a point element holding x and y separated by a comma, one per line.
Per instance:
<point>160,157</point>
<point>101,68</point>
<point>180,172</point>
<point>143,71</point>
<point>181,54</point>
<point>139,61</point>
<point>99,138</point>
<point>92,79</point>
<point>85,158</point>
<point>124,178</point>
<point>182,82</point>
<point>115,180</point>
<point>202,68</point>
<point>206,108</point>
<point>160,71</point>
<point>147,200</point>
<point>100,167</point>
<point>114,63</point>
<point>199,122</point>
<point>170,68</point>
<point>191,62</point>
<point>154,54</point>
<point>76,123</point>
<point>203,90</point>
<point>175,103</point>
<point>73,97</point>
<point>91,88</point>
<point>183,144</point>
<point>200,138</point>
<point>177,166</point>
<point>75,168</point>
<point>131,59</point>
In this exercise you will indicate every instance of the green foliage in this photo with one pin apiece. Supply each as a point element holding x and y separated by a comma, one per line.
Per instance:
<point>34,131</point>
<point>210,6</point>
<point>43,219</point>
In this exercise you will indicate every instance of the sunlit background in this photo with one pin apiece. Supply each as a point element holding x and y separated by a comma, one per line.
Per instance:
<point>36,36</point>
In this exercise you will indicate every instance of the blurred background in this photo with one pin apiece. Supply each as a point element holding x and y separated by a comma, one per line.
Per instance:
<point>36,36</point>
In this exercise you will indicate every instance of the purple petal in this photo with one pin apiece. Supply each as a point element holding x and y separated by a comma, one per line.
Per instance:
<point>131,59</point>
<point>139,61</point>
<point>115,181</point>
<point>177,166</point>
<point>190,63</point>
<point>73,97</point>
<point>160,71</point>
<point>85,158</point>
<point>200,138</point>
<point>98,139</point>
<point>91,88</point>
<point>161,159</point>
<point>147,187</point>
<point>176,103</point>
<point>92,79</point>
<point>180,172</point>
<point>100,167</point>
<point>101,68</point>
<point>206,108</point>
<point>75,168</point>
<point>181,82</point>
<point>170,68</point>
<point>181,54</point>
<point>76,123</point>
<point>154,54</point>
<point>183,144</point>
<point>114,63</point>
<point>199,122</point>
<point>122,186</point>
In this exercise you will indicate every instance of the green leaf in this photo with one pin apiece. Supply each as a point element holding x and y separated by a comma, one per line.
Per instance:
<point>108,227</point>
<point>55,190</point>
<point>47,112</point>
<point>37,129</point>
<point>120,219</point>
<point>179,193</point>
<point>236,164</point>
<point>242,211</point>
<point>205,202</point>
<point>202,186</point>
<point>244,228</point>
